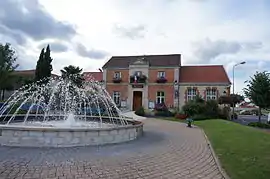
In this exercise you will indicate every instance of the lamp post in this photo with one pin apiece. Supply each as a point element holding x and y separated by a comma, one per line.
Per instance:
<point>176,93</point>
<point>241,63</point>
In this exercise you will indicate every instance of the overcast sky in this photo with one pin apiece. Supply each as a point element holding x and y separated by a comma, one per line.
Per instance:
<point>87,33</point>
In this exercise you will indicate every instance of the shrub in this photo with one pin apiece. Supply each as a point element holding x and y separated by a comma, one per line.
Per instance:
<point>259,125</point>
<point>199,117</point>
<point>224,112</point>
<point>199,109</point>
<point>161,107</point>
<point>140,111</point>
<point>211,108</point>
<point>164,113</point>
<point>180,116</point>
<point>192,108</point>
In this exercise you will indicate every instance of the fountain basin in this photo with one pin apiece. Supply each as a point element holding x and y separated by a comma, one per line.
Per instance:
<point>44,136</point>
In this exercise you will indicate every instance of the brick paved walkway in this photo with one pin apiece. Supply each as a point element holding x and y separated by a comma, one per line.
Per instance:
<point>167,150</point>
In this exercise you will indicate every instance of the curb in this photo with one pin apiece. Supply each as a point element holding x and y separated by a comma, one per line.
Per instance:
<point>223,173</point>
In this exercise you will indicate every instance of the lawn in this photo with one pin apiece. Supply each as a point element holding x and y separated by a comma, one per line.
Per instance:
<point>244,152</point>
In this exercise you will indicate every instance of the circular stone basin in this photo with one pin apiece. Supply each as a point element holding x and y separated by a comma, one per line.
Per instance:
<point>55,134</point>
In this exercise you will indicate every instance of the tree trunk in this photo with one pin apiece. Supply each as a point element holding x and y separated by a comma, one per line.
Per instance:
<point>3,95</point>
<point>259,114</point>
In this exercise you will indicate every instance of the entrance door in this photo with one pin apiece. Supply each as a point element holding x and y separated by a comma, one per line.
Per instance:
<point>137,100</point>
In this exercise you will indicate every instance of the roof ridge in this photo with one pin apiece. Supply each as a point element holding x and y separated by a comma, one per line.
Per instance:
<point>125,56</point>
<point>202,66</point>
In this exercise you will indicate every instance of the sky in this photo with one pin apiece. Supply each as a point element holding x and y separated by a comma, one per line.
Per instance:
<point>86,33</point>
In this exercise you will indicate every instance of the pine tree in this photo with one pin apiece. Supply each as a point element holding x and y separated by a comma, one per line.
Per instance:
<point>44,67</point>
<point>40,62</point>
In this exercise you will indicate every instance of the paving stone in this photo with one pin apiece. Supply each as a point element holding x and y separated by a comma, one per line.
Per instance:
<point>166,150</point>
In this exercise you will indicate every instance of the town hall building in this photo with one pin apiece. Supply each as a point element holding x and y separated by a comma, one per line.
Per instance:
<point>135,81</point>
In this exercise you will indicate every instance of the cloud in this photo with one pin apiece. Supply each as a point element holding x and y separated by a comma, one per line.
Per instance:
<point>30,18</point>
<point>131,32</point>
<point>18,37</point>
<point>92,53</point>
<point>207,49</point>
<point>55,46</point>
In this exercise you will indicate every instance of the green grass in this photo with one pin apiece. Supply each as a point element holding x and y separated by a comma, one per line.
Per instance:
<point>244,152</point>
<point>173,119</point>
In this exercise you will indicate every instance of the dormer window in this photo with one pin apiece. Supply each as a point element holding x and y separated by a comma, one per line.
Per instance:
<point>161,74</point>
<point>117,74</point>
<point>138,73</point>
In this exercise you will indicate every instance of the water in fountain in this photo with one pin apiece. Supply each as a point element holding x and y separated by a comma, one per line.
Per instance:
<point>60,103</point>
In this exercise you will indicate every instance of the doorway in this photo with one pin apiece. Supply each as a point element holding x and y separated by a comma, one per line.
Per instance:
<point>137,100</point>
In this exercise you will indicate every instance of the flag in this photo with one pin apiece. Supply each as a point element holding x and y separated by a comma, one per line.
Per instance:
<point>135,79</point>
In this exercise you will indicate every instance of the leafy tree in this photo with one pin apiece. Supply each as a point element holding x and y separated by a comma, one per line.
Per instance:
<point>44,67</point>
<point>231,100</point>
<point>74,74</point>
<point>258,90</point>
<point>7,66</point>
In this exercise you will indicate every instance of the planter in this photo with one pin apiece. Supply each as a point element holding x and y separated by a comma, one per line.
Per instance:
<point>140,79</point>
<point>181,116</point>
<point>161,80</point>
<point>117,80</point>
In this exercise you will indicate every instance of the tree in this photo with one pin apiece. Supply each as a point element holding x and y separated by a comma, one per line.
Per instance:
<point>231,100</point>
<point>74,74</point>
<point>7,66</point>
<point>44,67</point>
<point>258,91</point>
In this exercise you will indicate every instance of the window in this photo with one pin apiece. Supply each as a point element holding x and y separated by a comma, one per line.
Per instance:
<point>161,74</point>
<point>160,97</point>
<point>138,73</point>
<point>211,94</point>
<point>117,74</point>
<point>116,97</point>
<point>191,93</point>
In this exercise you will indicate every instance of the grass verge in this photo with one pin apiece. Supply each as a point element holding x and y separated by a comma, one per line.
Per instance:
<point>244,152</point>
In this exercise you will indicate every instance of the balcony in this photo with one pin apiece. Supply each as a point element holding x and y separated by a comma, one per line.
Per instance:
<point>117,80</point>
<point>161,80</point>
<point>138,79</point>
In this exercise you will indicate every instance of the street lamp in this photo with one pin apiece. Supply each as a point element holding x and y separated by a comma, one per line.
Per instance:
<point>241,63</point>
<point>176,93</point>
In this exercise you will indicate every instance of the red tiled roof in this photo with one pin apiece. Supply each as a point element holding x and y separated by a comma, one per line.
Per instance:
<point>247,105</point>
<point>98,76</point>
<point>25,72</point>
<point>28,73</point>
<point>204,74</point>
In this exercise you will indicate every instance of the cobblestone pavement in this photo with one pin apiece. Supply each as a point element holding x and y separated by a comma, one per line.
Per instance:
<point>167,150</point>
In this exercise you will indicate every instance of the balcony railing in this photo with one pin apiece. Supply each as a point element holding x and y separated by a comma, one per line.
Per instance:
<point>117,80</point>
<point>161,80</point>
<point>138,79</point>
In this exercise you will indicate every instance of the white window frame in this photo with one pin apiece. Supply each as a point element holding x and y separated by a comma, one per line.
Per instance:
<point>116,97</point>
<point>138,73</point>
<point>211,94</point>
<point>160,97</point>
<point>161,74</point>
<point>117,74</point>
<point>191,94</point>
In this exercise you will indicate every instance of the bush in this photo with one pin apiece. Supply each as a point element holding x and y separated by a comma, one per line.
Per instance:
<point>199,117</point>
<point>211,108</point>
<point>192,108</point>
<point>164,113</point>
<point>259,125</point>
<point>140,111</point>
<point>224,112</point>
<point>199,109</point>
<point>180,116</point>
<point>161,107</point>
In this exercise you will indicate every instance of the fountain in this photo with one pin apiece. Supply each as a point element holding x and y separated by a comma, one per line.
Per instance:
<point>60,114</point>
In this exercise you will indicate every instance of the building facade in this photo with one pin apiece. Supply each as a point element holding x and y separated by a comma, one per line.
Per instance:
<point>135,81</point>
